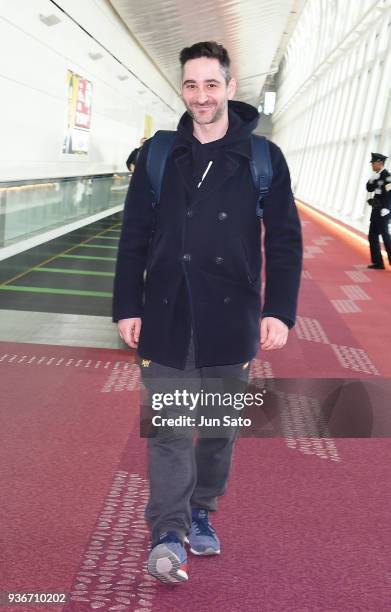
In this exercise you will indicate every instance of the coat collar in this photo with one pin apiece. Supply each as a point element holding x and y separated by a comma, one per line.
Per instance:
<point>223,168</point>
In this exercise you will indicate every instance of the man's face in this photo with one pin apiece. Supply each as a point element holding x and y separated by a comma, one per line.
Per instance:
<point>205,91</point>
<point>377,166</point>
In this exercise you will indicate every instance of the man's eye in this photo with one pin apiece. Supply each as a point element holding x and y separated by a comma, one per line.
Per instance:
<point>190,86</point>
<point>211,85</point>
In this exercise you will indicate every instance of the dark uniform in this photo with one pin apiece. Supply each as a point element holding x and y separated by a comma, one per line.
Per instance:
<point>133,157</point>
<point>380,224</point>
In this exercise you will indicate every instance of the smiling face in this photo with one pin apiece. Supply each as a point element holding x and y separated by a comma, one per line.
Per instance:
<point>205,91</point>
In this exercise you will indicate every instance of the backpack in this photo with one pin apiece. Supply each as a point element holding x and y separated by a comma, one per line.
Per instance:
<point>260,165</point>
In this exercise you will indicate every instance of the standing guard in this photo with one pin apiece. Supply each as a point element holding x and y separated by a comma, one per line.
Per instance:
<point>380,186</point>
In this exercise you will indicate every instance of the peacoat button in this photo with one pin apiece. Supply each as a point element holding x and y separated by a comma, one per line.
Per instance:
<point>219,260</point>
<point>189,212</point>
<point>227,300</point>
<point>222,216</point>
<point>186,257</point>
<point>165,301</point>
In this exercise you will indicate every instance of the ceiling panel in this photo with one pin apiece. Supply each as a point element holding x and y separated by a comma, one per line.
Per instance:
<point>255,32</point>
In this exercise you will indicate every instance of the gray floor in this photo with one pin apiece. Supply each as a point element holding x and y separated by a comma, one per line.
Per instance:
<point>63,329</point>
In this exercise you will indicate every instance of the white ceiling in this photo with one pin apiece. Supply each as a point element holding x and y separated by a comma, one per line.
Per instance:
<point>255,32</point>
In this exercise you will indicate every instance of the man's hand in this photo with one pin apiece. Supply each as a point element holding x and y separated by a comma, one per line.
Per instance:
<point>384,212</point>
<point>274,333</point>
<point>129,330</point>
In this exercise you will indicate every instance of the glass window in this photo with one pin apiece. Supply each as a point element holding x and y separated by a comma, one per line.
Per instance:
<point>33,207</point>
<point>384,36</point>
<point>345,112</point>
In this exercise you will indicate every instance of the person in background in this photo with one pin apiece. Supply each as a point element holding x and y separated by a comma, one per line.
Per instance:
<point>133,157</point>
<point>380,186</point>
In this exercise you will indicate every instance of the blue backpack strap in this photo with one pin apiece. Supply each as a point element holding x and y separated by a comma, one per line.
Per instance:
<point>261,169</point>
<point>159,149</point>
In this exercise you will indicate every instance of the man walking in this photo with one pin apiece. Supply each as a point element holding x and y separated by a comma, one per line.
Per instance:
<point>196,314</point>
<point>380,224</point>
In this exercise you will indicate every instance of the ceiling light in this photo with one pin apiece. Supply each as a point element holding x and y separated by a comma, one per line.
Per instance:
<point>49,20</point>
<point>95,56</point>
<point>270,101</point>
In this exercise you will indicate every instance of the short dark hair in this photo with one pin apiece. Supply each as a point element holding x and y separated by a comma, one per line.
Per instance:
<point>208,49</point>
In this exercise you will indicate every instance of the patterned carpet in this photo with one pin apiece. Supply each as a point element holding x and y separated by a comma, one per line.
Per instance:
<point>305,524</point>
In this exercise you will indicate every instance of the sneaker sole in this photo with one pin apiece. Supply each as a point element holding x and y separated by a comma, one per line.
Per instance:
<point>205,553</point>
<point>209,552</point>
<point>166,566</point>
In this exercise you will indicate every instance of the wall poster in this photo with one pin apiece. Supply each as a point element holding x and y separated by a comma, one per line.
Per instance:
<point>79,91</point>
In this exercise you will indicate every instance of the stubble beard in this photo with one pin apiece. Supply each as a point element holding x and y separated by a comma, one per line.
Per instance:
<point>215,117</point>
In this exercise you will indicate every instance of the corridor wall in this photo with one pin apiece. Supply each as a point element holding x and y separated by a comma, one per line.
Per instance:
<point>39,43</point>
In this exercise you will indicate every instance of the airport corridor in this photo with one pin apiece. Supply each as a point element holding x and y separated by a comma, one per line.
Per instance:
<point>75,483</point>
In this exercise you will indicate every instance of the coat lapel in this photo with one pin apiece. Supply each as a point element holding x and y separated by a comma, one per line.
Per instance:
<point>185,169</point>
<point>222,169</point>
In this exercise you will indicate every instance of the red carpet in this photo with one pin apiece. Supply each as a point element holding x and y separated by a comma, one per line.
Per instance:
<point>305,524</point>
<point>343,326</point>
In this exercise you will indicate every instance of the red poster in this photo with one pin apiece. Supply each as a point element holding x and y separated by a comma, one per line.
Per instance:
<point>83,104</point>
<point>79,93</point>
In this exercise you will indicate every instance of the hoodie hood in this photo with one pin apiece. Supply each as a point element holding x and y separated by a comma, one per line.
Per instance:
<point>243,119</point>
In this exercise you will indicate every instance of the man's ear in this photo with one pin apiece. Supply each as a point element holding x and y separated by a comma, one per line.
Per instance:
<point>231,88</point>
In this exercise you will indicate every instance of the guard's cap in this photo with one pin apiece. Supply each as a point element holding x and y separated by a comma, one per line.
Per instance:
<point>378,157</point>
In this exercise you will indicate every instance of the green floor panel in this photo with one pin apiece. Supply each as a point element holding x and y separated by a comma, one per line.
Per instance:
<point>97,246</point>
<point>108,237</point>
<point>49,302</point>
<point>92,250</point>
<point>67,282</point>
<point>87,257</point>
<point>93,265</point>
<point>78,266</point>
<point>58,291</point>
<point>100,241</point>
<point>69,271</point>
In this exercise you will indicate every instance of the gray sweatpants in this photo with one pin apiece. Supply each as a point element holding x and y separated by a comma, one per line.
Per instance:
<point>182,474</point>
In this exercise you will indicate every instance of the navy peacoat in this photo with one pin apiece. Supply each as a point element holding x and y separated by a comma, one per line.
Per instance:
<point>201,250</point>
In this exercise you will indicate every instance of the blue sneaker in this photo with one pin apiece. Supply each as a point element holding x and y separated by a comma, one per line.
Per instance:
<point>202,538</point>
<point>167,560</point>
